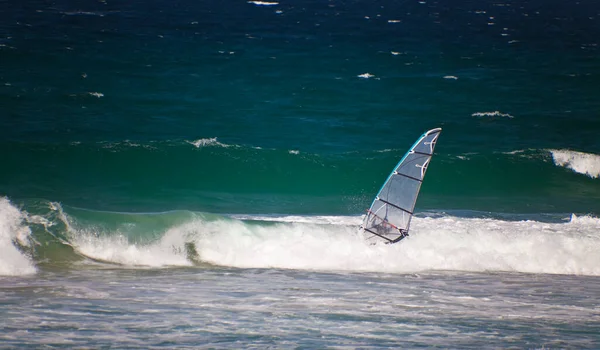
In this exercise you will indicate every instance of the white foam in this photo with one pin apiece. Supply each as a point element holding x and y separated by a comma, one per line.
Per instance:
<point>366,75</point>
<point>447,243</point>
<point>116,146</point>
<point>207,142</point>
<point>334,243</point>
<point>116,248</point>
<point>12,228</point>
<point>492,114</point>
<point>263,3</point>
<point>515,152</point>
<point>583,163</point>
<point>83,13</point>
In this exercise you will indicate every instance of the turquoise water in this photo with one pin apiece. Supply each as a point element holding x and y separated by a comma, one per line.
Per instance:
<point>225,140</point>
<point>120,107</point>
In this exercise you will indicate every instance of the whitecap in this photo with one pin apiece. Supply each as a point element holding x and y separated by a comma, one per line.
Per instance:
<point>580,162</point>
<point>207,142</point>
<point>492,114</point>
<point>263,3</point>
<point>13,230</point>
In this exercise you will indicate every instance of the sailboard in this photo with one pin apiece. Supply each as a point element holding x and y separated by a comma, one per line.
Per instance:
<point>389,216</point>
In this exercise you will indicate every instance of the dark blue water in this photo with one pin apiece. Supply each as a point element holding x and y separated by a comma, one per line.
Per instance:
<point>108,96</point>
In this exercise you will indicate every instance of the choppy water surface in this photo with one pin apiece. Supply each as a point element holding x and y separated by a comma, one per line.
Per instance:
<point>224,307</point>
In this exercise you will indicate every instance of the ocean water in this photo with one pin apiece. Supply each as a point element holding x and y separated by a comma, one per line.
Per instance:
<point>192,174</point>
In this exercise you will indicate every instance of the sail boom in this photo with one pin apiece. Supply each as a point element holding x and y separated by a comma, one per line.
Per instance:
<point>378,235</point>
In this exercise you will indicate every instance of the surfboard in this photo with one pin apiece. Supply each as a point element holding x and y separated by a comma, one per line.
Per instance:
<point>388,218</point>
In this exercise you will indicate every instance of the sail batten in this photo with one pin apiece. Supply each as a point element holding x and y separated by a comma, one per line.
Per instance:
<point>410,177</point>
<point>423,153</point>
<point>395,206</point>
<point>392,209</point>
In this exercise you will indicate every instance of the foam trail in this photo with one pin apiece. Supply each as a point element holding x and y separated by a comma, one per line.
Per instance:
<point>12,261</point>
<point>447,243</point>
<point>583,163</point>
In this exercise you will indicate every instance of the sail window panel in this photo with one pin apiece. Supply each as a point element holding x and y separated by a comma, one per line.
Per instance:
<point>401,192</point>
<point>378,207</point>
<point>373,222</point>
<point>399,218</point>
<point>414,165</point>
<point>385,221</point>
<point>376,215</point>
<point>427,144</point>
<point>390,224</point>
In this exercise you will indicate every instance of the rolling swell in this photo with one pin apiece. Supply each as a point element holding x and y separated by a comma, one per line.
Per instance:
<point>49,236</point>
<point>209,176</point>
<point>52,236</point>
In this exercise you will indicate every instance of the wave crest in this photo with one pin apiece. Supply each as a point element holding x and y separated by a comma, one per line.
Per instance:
<point>183,238</point>
<point>12,232</point>
<point>442,243</point>
<point>207,142</point>
<point>580,162</point>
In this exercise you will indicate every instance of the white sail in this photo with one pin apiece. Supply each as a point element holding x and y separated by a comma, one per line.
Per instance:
<point>392,209</point>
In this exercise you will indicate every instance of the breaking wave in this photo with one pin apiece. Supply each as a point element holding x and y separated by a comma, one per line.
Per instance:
<point>332,243</point>
<point>443,243</point>
<point>13,233</point>
<point>582,163</point>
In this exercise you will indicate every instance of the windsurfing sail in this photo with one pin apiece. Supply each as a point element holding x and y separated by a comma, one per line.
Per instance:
<point>389,216</point>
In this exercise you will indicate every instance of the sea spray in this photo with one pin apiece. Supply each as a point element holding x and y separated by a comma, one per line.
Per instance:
<point>13,232</point>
